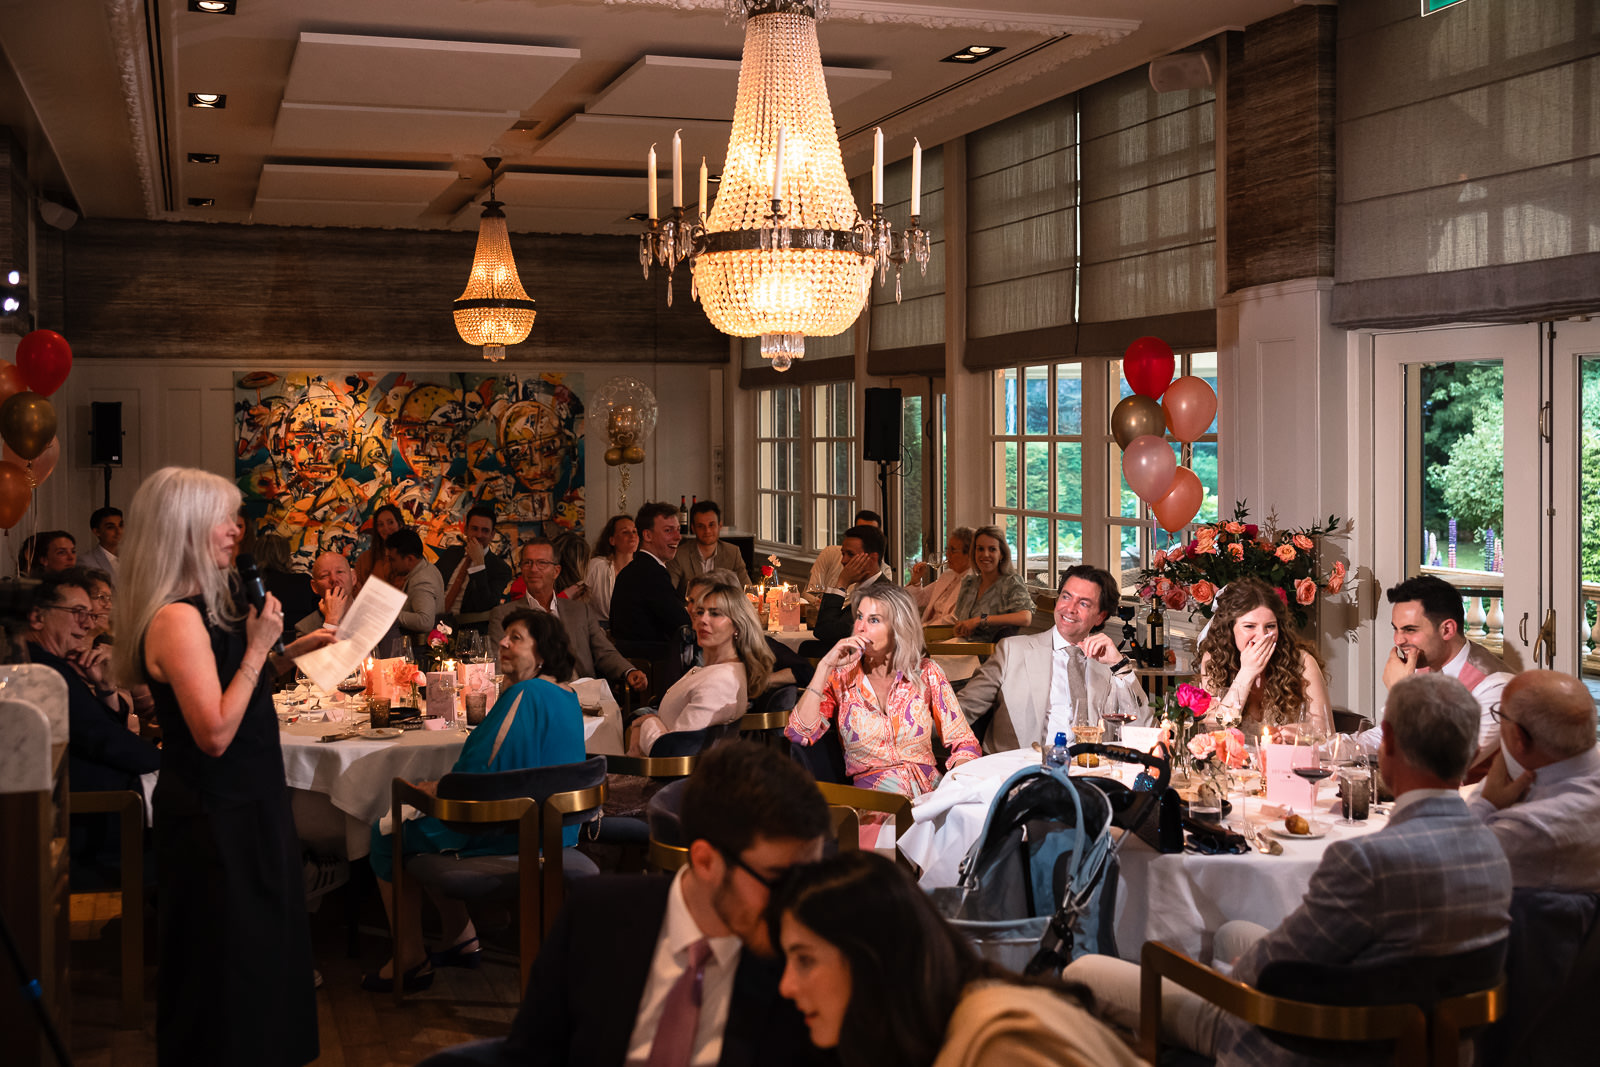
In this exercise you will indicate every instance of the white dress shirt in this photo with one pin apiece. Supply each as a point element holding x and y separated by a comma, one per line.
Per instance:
<point>678,932</point>
<point>97,558</point>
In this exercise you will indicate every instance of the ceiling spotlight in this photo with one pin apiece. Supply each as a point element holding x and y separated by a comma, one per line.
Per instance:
<point>212,7</point>
<point>211,100</point>
<point>204,157</point>
<point>973,53</point>
<point>713,177</point>
<point>638,216</point>
<point>202,201</point>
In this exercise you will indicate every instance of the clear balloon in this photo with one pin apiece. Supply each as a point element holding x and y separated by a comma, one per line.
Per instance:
<point>1148,365</point>
<point>1190,404</point>
<point>44,464</point>
<point>27,424</point>
<point>1136,416</point>
<point>1182,502</point>
<point>16,493</point>
<point>1148,465</point>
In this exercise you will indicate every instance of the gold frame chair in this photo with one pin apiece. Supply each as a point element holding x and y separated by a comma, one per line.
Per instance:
<point>538,835</point>
<point>1420,1039</point>
<point>845,802</point>
<point>129,807</point>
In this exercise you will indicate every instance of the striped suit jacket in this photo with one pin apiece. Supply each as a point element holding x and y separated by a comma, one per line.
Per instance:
<point>1434,882</point>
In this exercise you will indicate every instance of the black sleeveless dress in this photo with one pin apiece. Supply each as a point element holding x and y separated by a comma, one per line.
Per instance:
<point>235,981</point>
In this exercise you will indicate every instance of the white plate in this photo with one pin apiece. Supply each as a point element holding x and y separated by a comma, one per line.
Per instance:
<point>383,733</point>
<point>1319,829</point>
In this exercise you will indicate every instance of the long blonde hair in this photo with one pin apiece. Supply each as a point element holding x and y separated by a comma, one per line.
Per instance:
<point>166,556</point>
<point>905,627</point>
<point>749,643</point>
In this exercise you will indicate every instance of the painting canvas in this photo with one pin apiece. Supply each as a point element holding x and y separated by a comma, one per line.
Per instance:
<point>318,454</point>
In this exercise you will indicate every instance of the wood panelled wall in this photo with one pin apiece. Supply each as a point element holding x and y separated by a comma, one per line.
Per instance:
<point>164,290</point>
<point>1280,148</point>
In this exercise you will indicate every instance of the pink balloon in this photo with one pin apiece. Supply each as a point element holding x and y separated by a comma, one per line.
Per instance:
<point>1190,404</point>
<point>44,464</point>
<point>1182,502</point>
<point>1148,466</point>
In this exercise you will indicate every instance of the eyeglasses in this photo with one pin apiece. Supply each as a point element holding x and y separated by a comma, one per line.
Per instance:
<point>768,883</point>
<point>543,563</point>
<point>78,613</point>
<point>1499,716</point>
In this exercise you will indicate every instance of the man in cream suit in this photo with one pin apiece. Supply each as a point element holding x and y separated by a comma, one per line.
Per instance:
<point>1431,883</point>
<point>1035,683</point>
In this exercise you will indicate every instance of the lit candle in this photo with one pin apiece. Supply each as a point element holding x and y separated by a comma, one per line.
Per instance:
<point>705,207</point>
<point>650,174</point>
<point>916,177</point>
<point>777,169</point>
<point>877,164</point>
<point>677,168</point>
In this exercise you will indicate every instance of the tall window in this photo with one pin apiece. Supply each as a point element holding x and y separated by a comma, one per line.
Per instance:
<point>805,437</point>
<point>1059,493</point>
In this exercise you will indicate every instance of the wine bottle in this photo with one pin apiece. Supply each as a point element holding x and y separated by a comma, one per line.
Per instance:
<point>683,516</point>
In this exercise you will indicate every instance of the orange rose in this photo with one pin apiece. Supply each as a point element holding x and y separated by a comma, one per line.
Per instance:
<point>1264,545</point>
<point>1236,550</point>
<point>1202,591</point>
<point>1174,554</point>
<point>1302,542</point>
<point>1158,559</point>
<point>1234,527</point>
<point>1336,581</point>
<point>1164,586</point>
<point>1305,590</point>
<point>1285,553</point>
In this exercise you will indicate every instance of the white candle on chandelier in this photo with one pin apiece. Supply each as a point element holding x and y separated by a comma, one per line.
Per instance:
<point>916,177</point>
<point>705,205</point>
<point>777,169</point>
<point>677,168</point>
<point>877,164</point>
<point>650,178</point>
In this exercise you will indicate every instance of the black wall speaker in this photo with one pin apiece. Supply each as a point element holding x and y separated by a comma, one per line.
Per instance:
<point>105,433</point>
<point>880,438</point>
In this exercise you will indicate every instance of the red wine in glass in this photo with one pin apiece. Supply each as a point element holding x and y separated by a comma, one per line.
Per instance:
<point>1315,773</point>
<point>1117,719</point>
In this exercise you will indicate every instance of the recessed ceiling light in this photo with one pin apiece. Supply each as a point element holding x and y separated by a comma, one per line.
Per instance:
<point>713,177</point>
<point>211,100</point>
<point>202,201</point>
<point>973,53</point>
<point>204,157</point>
<point>212,7</point>
<point>638,216</point>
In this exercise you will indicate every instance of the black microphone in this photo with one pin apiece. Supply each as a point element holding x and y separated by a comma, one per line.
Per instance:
<point>255,590</point>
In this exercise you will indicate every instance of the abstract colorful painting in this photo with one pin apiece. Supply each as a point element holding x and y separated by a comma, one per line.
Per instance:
<point>318,454</point>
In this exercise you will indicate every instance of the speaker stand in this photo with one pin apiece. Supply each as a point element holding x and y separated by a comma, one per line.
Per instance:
<point>108,485</point>
<point>883,502</point>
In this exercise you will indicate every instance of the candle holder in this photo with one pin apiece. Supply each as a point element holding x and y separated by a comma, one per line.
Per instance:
<point>887,248</point>
<point>668,242</point>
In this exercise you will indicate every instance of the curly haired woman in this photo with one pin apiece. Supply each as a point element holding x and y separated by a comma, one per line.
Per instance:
<point>1256,668</point>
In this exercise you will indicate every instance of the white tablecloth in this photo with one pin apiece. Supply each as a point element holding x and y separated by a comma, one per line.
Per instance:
<point>1180,899</point>
<point>341,787</point>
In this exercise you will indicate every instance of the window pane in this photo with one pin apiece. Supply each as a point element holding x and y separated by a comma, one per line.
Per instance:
<point>1036,383</point>
<point>1128,563</point>
<point>1011,534</point>
<point>1035,565</point>
<point>766,524</point>
<point>1069,477</point>
<point>1005,474</point>
<point>1204,465</point>
<point>842,392</point>
<point>1124,501</point>
<point>1036,479</point>
<point>1005,401</point>
<point>1069,548</point>
<point>1069,398</point>
<point>842,468</point>
<point>1204,365</point>
<point>1119,386</point>
<point>911,482</point>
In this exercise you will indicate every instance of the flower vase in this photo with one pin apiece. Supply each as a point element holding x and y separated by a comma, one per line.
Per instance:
<point>1211,776</point>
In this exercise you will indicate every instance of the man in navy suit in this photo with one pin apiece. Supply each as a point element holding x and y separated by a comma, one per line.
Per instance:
<point>602,990</point>
<point>1433,882</point>
<point>648,617</point>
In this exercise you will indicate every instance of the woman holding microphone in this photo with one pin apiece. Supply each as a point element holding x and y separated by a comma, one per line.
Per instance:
<point>236,979</point>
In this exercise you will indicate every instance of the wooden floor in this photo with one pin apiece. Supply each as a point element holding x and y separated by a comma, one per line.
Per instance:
<point>356,1028</point>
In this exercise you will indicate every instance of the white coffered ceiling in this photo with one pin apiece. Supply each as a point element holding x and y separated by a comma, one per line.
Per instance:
<point>377,112</point>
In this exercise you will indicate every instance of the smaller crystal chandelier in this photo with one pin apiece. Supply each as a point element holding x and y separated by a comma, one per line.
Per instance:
<point>494,310</point>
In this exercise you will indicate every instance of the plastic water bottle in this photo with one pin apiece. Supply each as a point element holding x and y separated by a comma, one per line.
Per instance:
<point>1056,755</point>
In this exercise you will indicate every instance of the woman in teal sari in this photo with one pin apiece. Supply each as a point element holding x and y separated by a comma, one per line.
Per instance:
<point>535,723</point>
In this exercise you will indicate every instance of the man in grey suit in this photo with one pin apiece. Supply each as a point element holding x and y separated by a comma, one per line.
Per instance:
<point>1431,883</point>
<point>594,654</point>
<point>1034,684</point>
<point>707,552</point>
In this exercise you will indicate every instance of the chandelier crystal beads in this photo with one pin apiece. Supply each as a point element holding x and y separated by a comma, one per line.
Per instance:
<point>494,310</point>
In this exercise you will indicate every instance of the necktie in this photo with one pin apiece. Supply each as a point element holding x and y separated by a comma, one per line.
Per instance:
<point>458,586</point>
<point>680,1014</point>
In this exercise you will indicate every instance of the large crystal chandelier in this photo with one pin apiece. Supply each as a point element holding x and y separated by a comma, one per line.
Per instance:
<point>784,254</point>
<point>494,310</point>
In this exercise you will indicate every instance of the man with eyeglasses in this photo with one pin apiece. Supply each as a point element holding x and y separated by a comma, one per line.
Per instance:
<point>1542,793</point>
<point>650,970</point>
<point>592,651</point>
<point>103,752</point>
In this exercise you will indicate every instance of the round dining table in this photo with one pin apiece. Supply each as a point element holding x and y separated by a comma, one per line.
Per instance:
<point>1179,898</point>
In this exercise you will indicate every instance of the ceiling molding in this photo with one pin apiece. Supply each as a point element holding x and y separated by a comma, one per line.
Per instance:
<point>127,29</point>
<point>880,12</point>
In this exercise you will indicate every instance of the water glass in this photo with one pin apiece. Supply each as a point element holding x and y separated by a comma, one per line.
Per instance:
<point>477,706</point>
<point>1355,790</point>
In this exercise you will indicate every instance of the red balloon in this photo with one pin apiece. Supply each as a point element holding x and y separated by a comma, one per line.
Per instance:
<point>43,360</point>
<point>1148,365</point>
<point>16,493</point>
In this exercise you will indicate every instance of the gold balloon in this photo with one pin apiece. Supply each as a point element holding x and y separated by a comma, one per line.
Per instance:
<point>633,454</point>
<point>27,423</point>
<point>1137,416</point>
<point>614,457</point>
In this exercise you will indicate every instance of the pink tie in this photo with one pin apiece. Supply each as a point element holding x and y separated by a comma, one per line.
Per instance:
<point>680,1014</point>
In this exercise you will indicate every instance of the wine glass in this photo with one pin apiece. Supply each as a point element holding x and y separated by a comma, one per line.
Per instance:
<point>1320,768</point>
<point>1117,718</point>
